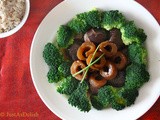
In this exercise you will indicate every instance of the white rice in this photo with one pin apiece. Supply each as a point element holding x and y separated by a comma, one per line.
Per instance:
<point>11,14</point>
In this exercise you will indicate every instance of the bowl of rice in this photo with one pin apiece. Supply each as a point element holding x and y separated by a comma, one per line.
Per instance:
<point>13,15</point>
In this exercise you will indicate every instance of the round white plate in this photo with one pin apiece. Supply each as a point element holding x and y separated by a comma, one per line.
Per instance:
<point>46,32</point>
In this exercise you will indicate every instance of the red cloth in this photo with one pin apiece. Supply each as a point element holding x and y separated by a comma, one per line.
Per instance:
<point>18,97</point>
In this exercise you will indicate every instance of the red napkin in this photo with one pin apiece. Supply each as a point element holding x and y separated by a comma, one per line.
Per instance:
<point>18,97</point>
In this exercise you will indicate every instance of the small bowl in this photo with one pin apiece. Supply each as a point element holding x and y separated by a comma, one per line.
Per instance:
<point>19,26</point>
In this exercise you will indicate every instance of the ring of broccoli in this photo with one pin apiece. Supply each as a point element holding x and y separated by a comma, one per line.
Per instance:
<point>108,96</point>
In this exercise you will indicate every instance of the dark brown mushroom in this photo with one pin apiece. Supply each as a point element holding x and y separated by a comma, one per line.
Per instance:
<point>125,52</point>
<point>116,38</point>
<point>72,50</point>
<point>97,35</point>
<point>118,81</point>
<point>79,37</point>
<point>93,90</point>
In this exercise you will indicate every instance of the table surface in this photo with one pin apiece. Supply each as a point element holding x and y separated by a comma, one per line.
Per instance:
<point>18,97</point>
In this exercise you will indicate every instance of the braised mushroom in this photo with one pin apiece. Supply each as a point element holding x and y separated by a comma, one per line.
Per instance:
<point>72,50</point>
<point>118,81</point>
<point>97,35</point>
<point>116,38</point>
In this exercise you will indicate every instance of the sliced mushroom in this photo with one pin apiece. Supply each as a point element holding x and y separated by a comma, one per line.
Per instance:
<point>118,81</point>
<point>116,38</point>
<point>72,51</point>
<point>97,35</point>
<point>79,37</point>
<point>125,52</point>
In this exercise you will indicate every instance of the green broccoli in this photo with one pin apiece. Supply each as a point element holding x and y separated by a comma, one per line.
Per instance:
<point>96,103</point>
<point>141,35</point>
<point>108,96</point>
<point>105,95</point>
<point>92,18</point>
<point>136,76</point>
<point>117,98</point>
<point>67,85</point>
<point>137,53</point>
<point>118,103</point>
<point>64,36</point>
<point>79,98</point>
<point>123,97</point>
<point>51,55</point>
<point>130,96</point>
<point>112,19</point>
<point>131,34</point>
<point>78,25</point>
<point>64,68</point>
<point>54,75</point>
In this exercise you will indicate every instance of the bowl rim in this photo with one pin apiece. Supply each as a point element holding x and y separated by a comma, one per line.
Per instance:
<point>20,25</point>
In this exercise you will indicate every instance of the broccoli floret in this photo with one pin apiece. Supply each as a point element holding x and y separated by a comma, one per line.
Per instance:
<point>67,85</point>
<point>92,18</point>
<point>79,97</point>
<point>105,95</point>
<point>108,96</point>
<point>117,98</point>
<point>64,68</point>
<point>118,103</point>
<point>51,55</point>
<point>112,19</point>
<point>141,35</point>
<point>54,75</point>
<point>78,25</point>
<point>137,53</point>
<point>131,34</point>
<point>130,96</point>
<point>96,103</point>
<point>136,76</point>
<point>64,36</point>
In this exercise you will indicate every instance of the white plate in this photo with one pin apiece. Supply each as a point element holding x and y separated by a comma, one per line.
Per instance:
<point>46,33</point>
